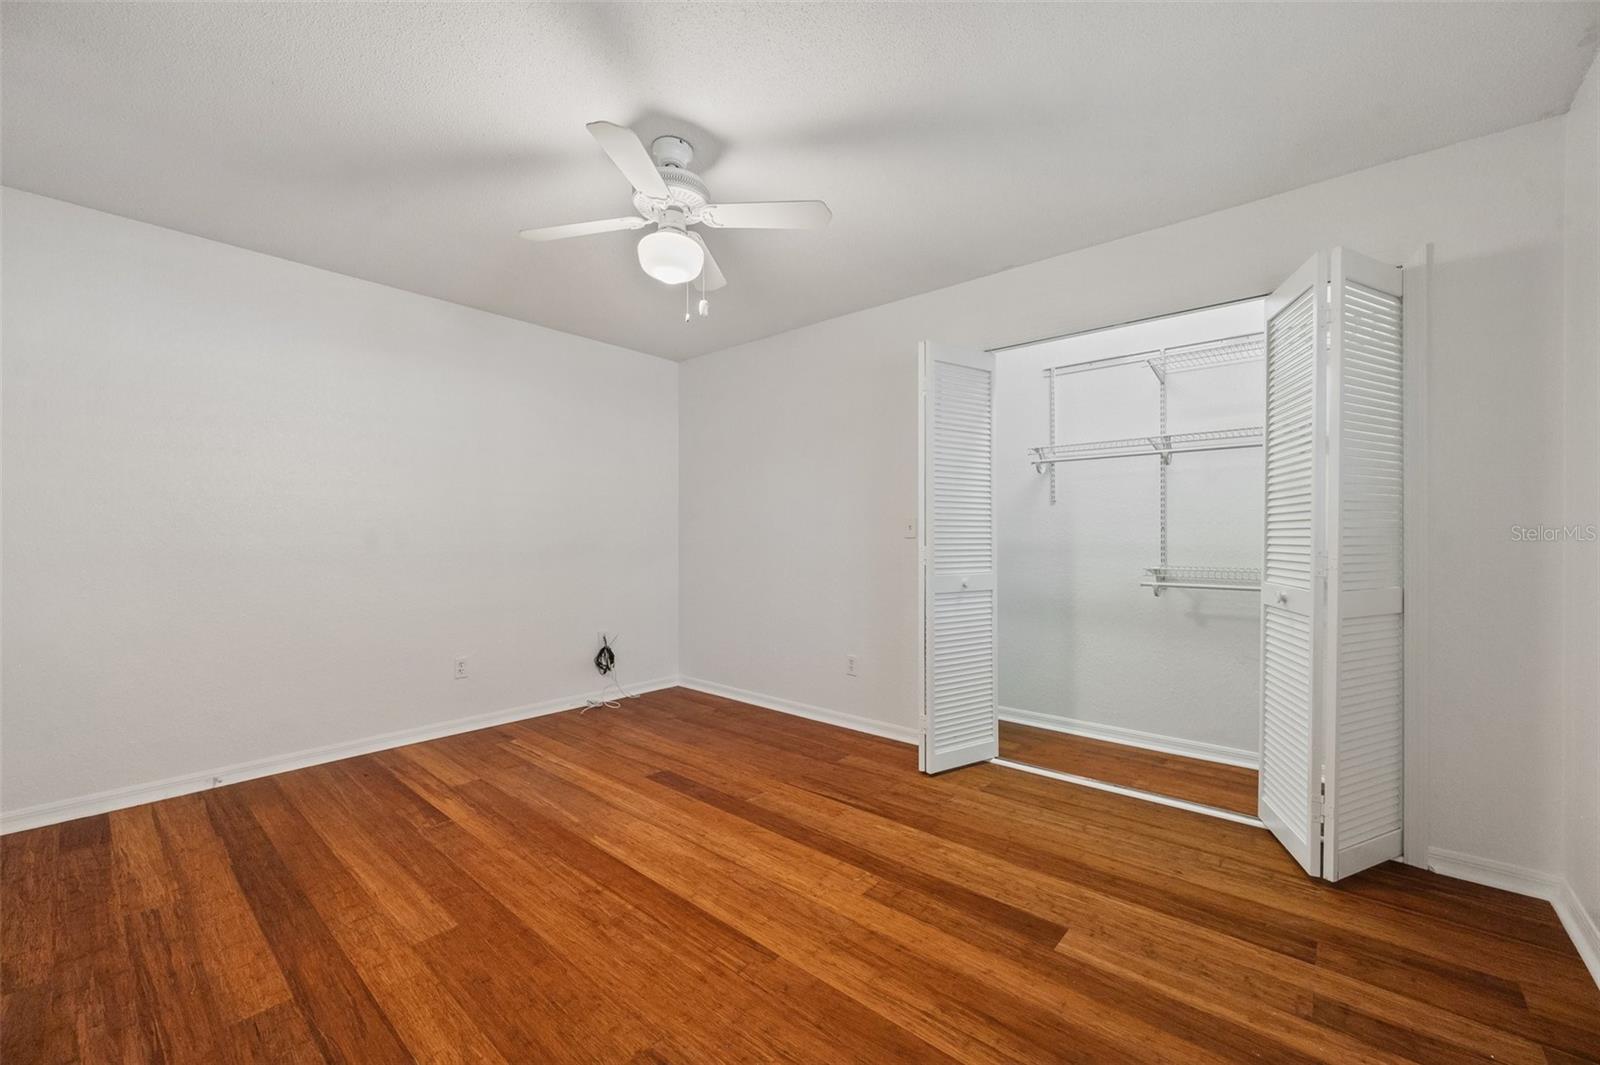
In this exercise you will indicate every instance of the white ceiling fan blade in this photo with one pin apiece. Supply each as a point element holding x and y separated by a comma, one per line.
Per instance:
<point>791,214</point>
<point>582,229</point>
<point>710,271</point>
<point>628,152</point>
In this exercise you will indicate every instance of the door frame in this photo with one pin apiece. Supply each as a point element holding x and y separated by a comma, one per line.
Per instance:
<point>1416,343</point>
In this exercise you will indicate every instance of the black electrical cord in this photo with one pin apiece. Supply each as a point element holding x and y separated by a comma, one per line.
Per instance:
<point>605,659</point>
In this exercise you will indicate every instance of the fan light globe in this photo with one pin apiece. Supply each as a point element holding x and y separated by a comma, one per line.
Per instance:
<point>671,256</point>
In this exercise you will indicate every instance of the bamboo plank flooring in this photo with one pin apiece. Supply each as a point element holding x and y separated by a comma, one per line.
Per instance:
<point>1226,787</point>
<point>693,880</point>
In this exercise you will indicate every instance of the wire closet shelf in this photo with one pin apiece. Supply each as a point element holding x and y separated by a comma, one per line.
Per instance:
<point>1161,362</point>
<point>1206,355</point>
<point>1165,446</point>
<point>1217,578</point>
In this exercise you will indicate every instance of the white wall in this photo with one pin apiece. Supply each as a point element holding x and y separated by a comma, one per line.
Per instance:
<point>799,460</point>
<point>1582,505</point>
<point>1081,644</point>
<point>253,507</point>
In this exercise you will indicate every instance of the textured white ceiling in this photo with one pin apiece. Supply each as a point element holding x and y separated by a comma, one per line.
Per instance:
<point>407,144</point>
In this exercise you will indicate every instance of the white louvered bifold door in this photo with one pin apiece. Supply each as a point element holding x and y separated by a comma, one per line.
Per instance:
<point>960,723</point>
<point>1292,592</point>
<point>1363,677</point>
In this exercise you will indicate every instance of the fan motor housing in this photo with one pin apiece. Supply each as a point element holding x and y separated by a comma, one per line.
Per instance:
<point>685,191</point>
<point>671,151</point>
<point>685,188</point>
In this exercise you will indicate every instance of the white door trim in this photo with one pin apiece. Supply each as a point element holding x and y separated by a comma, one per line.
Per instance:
<point>1415,312</point>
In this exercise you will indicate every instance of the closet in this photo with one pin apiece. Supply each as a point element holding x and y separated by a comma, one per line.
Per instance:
<point>1167,559</point>
<point>1128,516</point>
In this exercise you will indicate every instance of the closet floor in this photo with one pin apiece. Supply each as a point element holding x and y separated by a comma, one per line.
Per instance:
<point>1226,787</point>
<point>689,879</point>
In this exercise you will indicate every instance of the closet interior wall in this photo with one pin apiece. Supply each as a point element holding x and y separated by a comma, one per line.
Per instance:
<point>1081,643</point>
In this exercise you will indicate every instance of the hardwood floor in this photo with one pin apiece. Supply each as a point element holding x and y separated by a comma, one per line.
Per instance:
<point>1226,787</point>
<point>693,880</point>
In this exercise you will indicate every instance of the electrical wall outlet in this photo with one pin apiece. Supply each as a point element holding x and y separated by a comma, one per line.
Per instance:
<point>849,665</point>
<point>461,667</point>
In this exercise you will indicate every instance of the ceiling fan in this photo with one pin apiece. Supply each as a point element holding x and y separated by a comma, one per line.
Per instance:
<point>670,196</point>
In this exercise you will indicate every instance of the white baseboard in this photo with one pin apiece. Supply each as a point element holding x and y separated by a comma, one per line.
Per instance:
<point>805,710</point>
<point>100,802</point>
<point>1582,926</point>
<point>1150,741</point>
<point>1490,873</point>
<point>1579,923</point>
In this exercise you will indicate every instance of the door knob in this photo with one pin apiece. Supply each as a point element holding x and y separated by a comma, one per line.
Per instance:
<point>1283,598</point>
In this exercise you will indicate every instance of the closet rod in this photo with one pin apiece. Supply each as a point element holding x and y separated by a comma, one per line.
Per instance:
<point>1158,585</point>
